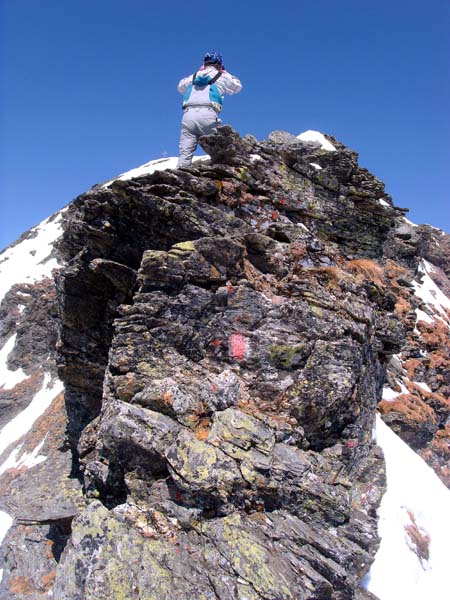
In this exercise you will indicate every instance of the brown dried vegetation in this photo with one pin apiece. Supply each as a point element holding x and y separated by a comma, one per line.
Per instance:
<point>413,407</point>
<point>419,540</point>
<point>366,269</point>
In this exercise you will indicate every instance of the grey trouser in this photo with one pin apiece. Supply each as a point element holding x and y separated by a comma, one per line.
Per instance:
<point>202,120</point>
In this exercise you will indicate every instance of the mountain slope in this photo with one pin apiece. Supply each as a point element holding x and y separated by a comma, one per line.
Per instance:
<point>206,358</point>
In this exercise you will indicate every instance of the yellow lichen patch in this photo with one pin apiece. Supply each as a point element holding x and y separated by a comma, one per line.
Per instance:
<point>253,561</point>
<point>184,246</point>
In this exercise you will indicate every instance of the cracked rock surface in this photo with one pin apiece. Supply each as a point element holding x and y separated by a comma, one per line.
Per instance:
<point>224,335</point>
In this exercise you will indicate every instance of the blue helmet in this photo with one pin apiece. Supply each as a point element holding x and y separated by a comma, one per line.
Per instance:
<point>213,58</point>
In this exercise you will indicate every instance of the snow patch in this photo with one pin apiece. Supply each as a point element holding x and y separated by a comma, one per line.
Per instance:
<point>414,495</point>
<point>316,166</point>
<point>29,261</point>
<point>429,292</point>
<point>389,394</point>
<point>160,164</point>
<point>23,422</point>
<point>28,459</point>
<point>422,316</point>
<point>383,202</point>
<point>255,157</point>
<point>410,222</point>
<point>9,379</point>
<point>423,385</point>
<point>316,136</point>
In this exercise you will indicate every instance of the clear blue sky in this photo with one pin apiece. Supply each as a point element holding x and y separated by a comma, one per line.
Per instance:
<point>88,89</point>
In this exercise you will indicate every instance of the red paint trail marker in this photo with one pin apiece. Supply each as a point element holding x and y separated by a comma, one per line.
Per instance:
<point>238,346</point>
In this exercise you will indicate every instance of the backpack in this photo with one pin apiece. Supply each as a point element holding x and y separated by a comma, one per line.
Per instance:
<point>203,91</point>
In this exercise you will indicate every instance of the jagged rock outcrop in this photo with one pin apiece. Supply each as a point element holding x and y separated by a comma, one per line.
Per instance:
<point>244,366</point>
<point>224,335</point>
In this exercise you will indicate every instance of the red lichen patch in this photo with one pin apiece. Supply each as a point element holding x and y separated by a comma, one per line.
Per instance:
<point>364,268</point>
<point>21,585</point>
<point>47,580</point>
<point>411,407</point>
<point>237,346</point>
<point>419,540</point>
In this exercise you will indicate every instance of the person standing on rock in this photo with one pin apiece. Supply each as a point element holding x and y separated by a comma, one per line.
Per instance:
<point>203,96</point>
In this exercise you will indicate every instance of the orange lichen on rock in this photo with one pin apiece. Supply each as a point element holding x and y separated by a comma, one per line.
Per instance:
<point>47,580</point>
<point>21,585</point>
<point>202,430</point>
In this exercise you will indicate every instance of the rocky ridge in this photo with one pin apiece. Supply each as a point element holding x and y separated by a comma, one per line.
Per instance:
<point>224,335</point>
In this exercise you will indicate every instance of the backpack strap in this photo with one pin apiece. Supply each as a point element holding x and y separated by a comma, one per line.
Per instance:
<point>214,79</point>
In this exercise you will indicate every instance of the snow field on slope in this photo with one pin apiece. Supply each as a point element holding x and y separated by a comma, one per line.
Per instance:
<point>15,429</point>
<point>29,260</point>
<point>22,423</point>
<point>430,293</point>
<point>9,379</point>
<point>29,459</point>
<point>414,493</point>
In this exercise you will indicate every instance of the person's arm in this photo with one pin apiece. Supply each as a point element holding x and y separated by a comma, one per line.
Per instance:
<point>184,84</point>
<point>232,83</point>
